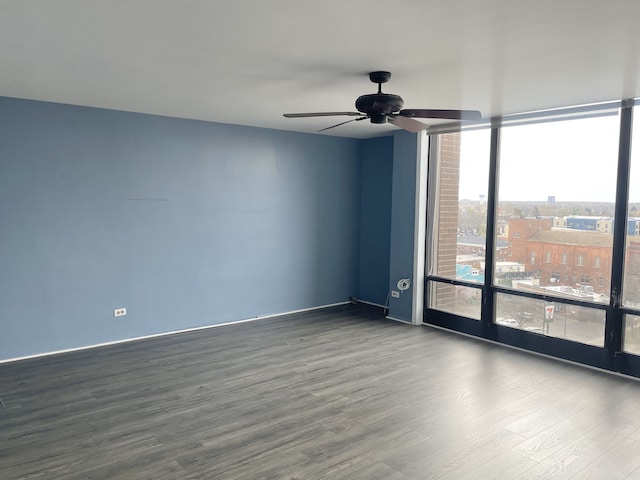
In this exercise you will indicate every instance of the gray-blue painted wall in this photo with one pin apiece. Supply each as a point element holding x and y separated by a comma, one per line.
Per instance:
<point>375,218</point>
<point>403,208</point>
<point>184,223</point>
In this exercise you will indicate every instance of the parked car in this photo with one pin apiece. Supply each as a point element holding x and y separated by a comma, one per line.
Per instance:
<point>507,322</point>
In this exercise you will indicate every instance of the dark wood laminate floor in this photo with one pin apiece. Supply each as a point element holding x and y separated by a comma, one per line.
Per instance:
<point>333,394</point>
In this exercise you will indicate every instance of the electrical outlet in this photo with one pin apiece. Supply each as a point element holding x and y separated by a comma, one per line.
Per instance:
<point>395,294</point>
<point>119,312</point>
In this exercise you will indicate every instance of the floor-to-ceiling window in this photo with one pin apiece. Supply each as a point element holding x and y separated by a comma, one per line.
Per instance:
<point>530,241</point>
<point>555,206</point>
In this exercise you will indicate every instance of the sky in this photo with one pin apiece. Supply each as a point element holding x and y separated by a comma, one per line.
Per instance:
<point>573,160</point>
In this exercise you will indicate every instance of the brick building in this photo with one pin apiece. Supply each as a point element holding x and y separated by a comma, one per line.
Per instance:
<point>518,232</point>
<point>448,181</point>
<point>566,257</point>
<point>631,289</point>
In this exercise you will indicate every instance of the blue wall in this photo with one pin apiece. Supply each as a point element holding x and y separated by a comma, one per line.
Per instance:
<point>184,223</point>
<point>403,203</point>
<point>375,218</point>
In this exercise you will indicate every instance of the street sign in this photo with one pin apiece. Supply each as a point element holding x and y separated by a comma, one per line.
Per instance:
<point>548,312</point>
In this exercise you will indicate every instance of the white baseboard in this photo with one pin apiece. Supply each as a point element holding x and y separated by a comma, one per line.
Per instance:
<point>164,334</point>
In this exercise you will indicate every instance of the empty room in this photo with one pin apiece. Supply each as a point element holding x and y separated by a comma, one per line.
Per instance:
<point>304,240</point>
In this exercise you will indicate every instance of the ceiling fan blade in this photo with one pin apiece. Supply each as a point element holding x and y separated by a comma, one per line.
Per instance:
<point>446,114</point>
<point>342,123</point>
<point>406,123</point>
<point>322,114</point>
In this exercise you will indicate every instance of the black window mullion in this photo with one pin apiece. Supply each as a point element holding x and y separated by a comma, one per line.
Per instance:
<point>614,324</point>
<point>490,237</point>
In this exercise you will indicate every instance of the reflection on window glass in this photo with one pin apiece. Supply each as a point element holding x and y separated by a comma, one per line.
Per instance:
<point>554,319</point>
<point>631,341</point>
<point>556,207</point>
<point>456,299</point>
<point>461,206</point>
<point>631,285</point>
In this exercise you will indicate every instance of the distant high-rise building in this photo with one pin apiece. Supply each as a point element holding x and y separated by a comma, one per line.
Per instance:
<point>551,199</point>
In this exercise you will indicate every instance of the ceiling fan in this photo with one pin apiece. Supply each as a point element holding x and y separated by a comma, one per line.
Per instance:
<point>386,107</point>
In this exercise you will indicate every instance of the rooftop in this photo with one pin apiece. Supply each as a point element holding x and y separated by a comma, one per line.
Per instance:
<point>573,237</point>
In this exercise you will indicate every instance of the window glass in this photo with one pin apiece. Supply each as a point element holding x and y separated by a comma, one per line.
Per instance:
<point>461,206</point>
<point>554,196</point>
<point>456,299</point>
<point>631,281</point>
<point>632,334</point>
<point>553,319</point>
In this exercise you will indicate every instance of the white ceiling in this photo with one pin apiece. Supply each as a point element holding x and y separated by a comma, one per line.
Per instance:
<point>249,61</point>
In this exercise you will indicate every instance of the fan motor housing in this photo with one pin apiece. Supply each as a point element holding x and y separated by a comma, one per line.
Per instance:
<point>384,103</point>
